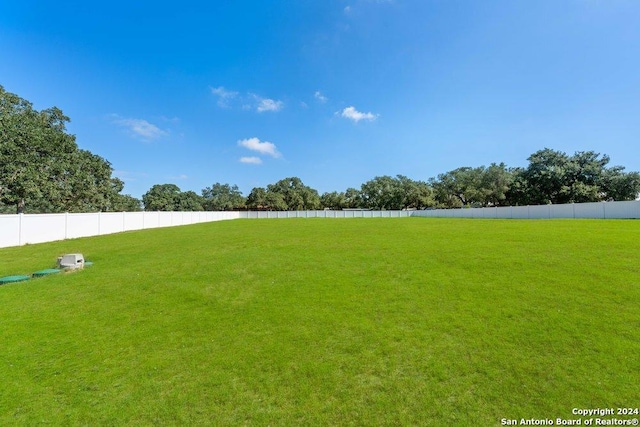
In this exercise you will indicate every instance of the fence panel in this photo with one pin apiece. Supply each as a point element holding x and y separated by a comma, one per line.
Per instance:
<point>474,213</point>
<point>622,210</point>
<point>590,210</point>
<point>562,211</point>
<point>192,217</point>
<point>175,218</point>
<point>539,212</point>
<point>164,219</point>
<point>134,221</point>
<point>43,228</point>
<point>80,225</point>
<point>504,212</point>
<point>516,212</point>
<point>152,219</point>
<point>10,226</point>
<point>111,222</point>
<point>187,218</point>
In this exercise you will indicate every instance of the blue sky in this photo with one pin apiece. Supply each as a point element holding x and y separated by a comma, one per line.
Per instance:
<point>335,92</point>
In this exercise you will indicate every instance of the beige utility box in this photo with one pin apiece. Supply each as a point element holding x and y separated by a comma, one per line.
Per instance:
<point>71,261</point>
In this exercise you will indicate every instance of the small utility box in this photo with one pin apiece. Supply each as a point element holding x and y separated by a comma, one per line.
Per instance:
<point>71,261</point>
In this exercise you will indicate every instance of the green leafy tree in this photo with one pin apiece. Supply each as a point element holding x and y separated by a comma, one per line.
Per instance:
<point>188,201</point>
<point>495,182</point>
<point>275,202</point>
<point>295,194</point>
<point>518,192</point>
<point>223,197</point>
<point>125,203</point>
<point>616,184</point>
<point>555,177</point>
<point>88,185</point>
<point>35,150</point>
<point>382,193</point>
<point>161,197</point>
<point>395,193</point>
<point>459,187</point>
<point>333,200</point>
<point>467,186</point>
<point>547,177</point>
<point>261,199</point>
<point>416,194</point>
<point>353,198</point>
<point>42,167</point>
<point>257,199</point>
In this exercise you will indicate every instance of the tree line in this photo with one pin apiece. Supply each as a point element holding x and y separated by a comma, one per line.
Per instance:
<point>551,177</point>
<point>43,170</point>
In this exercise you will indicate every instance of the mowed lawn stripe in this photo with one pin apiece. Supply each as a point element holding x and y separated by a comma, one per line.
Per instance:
<point>325,321</point>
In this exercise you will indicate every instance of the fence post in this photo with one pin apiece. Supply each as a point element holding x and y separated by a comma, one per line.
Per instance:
<point>20,229</point>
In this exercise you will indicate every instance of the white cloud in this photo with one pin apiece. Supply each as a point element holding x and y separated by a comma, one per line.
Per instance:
<point>347,9</point>
<point>320,97</point>
<point>251,160</point>
<point>224,96</point>
<point>355,115</point>
<point>140,128</point>
<point>266,104</point>
<point>247,101</point>
<point>254,144</point>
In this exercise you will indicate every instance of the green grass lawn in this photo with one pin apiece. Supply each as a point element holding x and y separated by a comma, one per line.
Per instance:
<point>409,321</point>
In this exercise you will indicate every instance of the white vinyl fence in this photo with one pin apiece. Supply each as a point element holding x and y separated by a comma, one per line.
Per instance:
<point>598,210</point>
<point>325,214</point>
<point>16,230</point>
